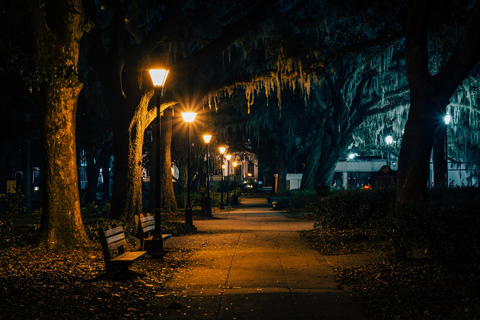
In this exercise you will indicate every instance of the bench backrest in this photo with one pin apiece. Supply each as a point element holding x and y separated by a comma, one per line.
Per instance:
<point>112,240</point>
<point>146,224</point>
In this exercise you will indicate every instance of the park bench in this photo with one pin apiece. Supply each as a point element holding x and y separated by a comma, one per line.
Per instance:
<point>145,230</point>
<point>117,258</point>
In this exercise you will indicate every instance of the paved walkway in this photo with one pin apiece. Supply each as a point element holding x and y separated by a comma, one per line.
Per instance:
<point>252,264</point>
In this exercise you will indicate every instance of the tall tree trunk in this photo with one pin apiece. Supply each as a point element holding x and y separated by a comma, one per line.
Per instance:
<point>314,152</point>
<point>439,160</point>
<point>429,96</point>
<point>57,51</point>
<point>169,204</point>
<point>127,184</point>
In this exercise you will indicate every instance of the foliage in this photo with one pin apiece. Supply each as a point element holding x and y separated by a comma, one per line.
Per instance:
<point>196,199</point>
<point>37,284</point>
<point>10,237</point>
<point>298,199</point>
<point>353,208</point>
<point>13,203</point>
<point>443,228</point>
<point>92,229</point>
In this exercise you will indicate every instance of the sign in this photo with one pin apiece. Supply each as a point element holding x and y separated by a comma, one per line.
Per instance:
<point>203,189</point>
<point>11,186</point>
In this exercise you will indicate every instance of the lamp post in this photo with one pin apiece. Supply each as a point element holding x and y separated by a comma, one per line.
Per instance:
<point>189,117</point>
<point>222,152</point>
<point>235,197</point>
<point>228,156</point>
<point>207,137</point>
<point>388,141</point>
<point>159,76</point>
<point>447,120</point>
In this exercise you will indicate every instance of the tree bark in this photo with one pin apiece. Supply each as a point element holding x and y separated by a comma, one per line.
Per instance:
<point>439,160</point>
<point>128,147</point>
<point>56,48</point>
<point>429,96</point>
<point>169,204</point>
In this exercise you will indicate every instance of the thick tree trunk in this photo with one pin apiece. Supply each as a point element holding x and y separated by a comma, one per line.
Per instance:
<point>429,96</point>
<point>56,43</point>
<point>169,204</point>
<point>281,170</point>
<point>417,142</point>
<point>61,223</point>
<point>127,182</point>
<point>312,162</point>
<point>439,157</point>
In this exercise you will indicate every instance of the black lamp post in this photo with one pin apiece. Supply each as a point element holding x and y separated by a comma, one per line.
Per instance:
<point>222,152</point>
<point>206,138</point>
<point>447,120</point>
<point>189,117</point>
<point>228,156</point>
<point>159,76</point>
<point>388,141</point>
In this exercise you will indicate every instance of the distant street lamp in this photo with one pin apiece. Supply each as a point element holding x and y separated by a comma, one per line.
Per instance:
<point>235,197</point>
<point>189,117</point>
<point>159,76</point>
<point>388,141</point>
<point>207,137</point>
<point>447,120</point>
<point>228,156</point>
<point>222,152</point>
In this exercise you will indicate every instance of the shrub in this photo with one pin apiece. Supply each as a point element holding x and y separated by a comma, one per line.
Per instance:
<point>296,199</point>
<point>353,208</point>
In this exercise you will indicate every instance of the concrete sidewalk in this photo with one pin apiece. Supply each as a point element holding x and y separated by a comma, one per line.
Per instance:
<point>252,264</point>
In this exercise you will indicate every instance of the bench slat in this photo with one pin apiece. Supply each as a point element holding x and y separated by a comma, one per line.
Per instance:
<point>129,256</point>
<point>115,238</point>
<point>113,231</point>
<point>148,229</point>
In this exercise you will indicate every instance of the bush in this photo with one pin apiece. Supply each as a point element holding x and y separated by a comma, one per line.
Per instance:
<point>352,209</point>
<point>444,227</point>
<point>297,199</point>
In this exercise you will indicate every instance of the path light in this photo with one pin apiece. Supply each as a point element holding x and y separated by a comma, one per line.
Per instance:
<point>189,117</point>
<point>159,76</point>
<point>207,137</point>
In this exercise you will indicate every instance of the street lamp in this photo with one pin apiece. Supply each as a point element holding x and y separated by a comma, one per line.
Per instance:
<point>159,76</point>
<point>447,120</point>
<point>388,141</point>
<point>222,152</point>
<point>228,156</point>
<point>189,117</point>
<point>207,137</point>
<point>235,197</point>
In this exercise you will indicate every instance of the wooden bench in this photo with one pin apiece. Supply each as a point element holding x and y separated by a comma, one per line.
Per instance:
<point>116,258</point>
<point>145,230</point>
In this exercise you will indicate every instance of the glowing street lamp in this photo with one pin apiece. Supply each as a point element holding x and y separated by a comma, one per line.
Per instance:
<point>447,119</point>
<point>222,152</point>
<point>207,137</point>
<point>228,156</point>
<point>235,196</point>
<point>159,76</point>
<point>388,141</point>
<point>189,117</point>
